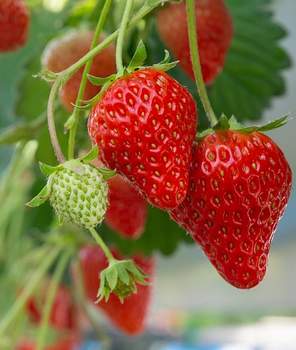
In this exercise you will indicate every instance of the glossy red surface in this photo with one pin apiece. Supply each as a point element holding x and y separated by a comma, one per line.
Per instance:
<point>239,187</point>
<point>144,126</point>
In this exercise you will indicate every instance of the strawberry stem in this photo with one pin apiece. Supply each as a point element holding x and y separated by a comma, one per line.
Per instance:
<point>77,110</point>
<point>121,34</point>
<point>195,59</point>
<point>51,123</point>
<point>143,12</point>
<point>56,278</point>
<point>103,245</point>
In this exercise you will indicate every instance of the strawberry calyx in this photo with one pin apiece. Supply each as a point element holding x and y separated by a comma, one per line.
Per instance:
<point>232,123</point>
<point>121,278</point>
<point>136,63</point>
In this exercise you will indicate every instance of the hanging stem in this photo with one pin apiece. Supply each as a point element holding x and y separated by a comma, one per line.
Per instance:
<point>102,244</point>
<point>121,34</point>
<point>51,123</point>
<point>28,290</point>
<point>56,278</point>
<point>143,12</point>
<point>195,59</point>
<point>76,112</point>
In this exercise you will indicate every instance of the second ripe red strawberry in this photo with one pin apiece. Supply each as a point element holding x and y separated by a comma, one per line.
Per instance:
<point>239,187</point>
<point>127,211</point>
<point>214,29</point>
<point>144,126</point>
<point>129,316</point>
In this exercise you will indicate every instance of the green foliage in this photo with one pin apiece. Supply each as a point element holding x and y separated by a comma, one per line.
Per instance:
<point>251,78</point>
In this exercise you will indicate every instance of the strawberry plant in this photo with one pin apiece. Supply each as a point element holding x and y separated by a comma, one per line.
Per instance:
<point>117,151</point>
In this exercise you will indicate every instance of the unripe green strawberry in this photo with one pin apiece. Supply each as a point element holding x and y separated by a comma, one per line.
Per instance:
<point>77,191</point>
<point>80,195</point>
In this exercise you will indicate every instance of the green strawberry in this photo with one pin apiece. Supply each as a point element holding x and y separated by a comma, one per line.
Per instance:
<point>79,196</point>
<point>78,192</point>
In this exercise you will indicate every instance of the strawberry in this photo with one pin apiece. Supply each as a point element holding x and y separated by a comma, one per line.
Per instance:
<point>127,211</point>
<point>144,126</point>
<point>70,342</point>
<point>239,187</point>
<point>78,193</point>
<point>14,24</point>
<point>63,52</point>
<point>62,315</point>
<point>214,29</point>
<point>129,316</point>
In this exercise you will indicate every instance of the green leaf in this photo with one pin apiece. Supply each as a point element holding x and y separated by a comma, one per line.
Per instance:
<point>41,197</point>
<point>139,57</point>
<point>252,75</point>
<point>161,234</point>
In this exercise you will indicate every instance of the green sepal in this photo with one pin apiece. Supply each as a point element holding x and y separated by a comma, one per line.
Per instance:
<point>47,75</point>
<point>165,64</point>
<point>233,124</point>
<point>121,278</point>
<point>47,170</point>
<point>91,155</point>
<point>274,124</point>
<point>98,81</point>
<point>107,173</point>
<point>41,197</point>
<point>138,58</point>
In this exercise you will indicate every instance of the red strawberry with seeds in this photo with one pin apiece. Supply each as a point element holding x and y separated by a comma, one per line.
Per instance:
<point>127,211</point>
<point>144,126</point>
<point>65,51</point>
<point>62,315</point>
<point>239,187</point>
<point>214,29</point>
<point>129,316</point>
<point>14,24</point>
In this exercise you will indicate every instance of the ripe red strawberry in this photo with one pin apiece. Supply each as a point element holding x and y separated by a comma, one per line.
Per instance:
<point>63,52</point>
<point>239,187</point>
<point>70,342</point>
<point>129,316</point>
<point>127,211</point>
<point>144,126</point>
<point>14,24</point>
<point>215,32</point>
<point>63,311</point>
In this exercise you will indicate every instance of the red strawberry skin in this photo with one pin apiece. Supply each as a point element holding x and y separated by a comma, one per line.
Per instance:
<point>65,51</point>
<point>127,211</point>
<point>144,126</point>
<point>14,24</point>
<point>130,316</point>
<point>239,188</point>
<point>62,315</point>
<point>215,32</point>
